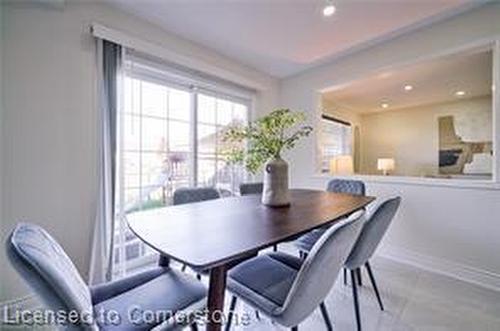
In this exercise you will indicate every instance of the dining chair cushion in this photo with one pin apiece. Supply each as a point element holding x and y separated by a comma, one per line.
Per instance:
<point>169,292</point>
<point>197,194</point>
<point>111,289</point>
<point>47,269</point>
<point>348,186</point>
<point>306,241</point>
<point>289,260</point>
<point>251,188</point>
<point>373,230</point>
<point>264,281</point>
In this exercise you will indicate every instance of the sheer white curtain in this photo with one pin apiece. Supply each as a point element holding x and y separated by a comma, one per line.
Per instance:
<point>109,85</point>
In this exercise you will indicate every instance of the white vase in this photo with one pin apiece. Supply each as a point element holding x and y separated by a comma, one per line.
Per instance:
<point>276,192</point>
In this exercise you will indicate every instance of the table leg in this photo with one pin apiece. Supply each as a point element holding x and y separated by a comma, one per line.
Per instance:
<point>216,289</point>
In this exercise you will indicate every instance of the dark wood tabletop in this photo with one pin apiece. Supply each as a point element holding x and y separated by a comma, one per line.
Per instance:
<point>209,233</point>
<point>219,233</point>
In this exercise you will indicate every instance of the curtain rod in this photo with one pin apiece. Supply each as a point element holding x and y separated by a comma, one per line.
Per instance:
<point>333,119</point>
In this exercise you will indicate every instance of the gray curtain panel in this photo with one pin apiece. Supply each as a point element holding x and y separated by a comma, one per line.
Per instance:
<point>109,66</point>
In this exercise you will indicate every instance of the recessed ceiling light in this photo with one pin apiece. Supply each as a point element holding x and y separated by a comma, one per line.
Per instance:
<point>329,9</point>
<point>384,105</point>
<point>408,87</point>
<point>460,93</point>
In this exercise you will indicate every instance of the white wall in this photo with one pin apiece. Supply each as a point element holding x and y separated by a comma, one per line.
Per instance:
<point>446,227</point>
<point>50,129</point>
<point>411,135</point>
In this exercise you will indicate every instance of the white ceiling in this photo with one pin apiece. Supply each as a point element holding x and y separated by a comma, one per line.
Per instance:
<point>284,37</point>
<point>433,81</point>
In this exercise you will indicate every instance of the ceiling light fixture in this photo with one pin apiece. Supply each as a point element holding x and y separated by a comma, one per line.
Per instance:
<point>329,8</point>
<point>384,105</point>
<point>408,88</point>
<point>459,93</point>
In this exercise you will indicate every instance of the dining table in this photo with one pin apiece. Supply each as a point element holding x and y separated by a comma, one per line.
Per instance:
<point>217,234</point>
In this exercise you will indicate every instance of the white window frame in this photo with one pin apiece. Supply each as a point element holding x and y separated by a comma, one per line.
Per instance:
<point>175,82</point>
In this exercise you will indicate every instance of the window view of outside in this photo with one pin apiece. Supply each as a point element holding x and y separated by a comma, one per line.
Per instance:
<point>335,140</point>
<point>156,154</point>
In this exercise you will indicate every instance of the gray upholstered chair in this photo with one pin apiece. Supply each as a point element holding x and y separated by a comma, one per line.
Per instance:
<point>356,187</point>
<point>47,269</point>
<point>196,194</point>
<point>288,289</point>
<point>190,195</point>
<point>251,188</point>
<point>378,221</point>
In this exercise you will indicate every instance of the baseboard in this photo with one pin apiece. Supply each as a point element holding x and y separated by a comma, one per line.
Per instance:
<point>483,278</point>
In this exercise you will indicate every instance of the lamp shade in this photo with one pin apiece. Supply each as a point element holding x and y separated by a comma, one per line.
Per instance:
<point>385,165</point>
<point>341,165</point>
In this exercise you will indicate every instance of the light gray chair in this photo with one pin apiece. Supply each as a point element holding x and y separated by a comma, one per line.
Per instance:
<point>251,188</point>
<point>47,269</point>
<point>378,221</point>
<point>355,187</point>
<point>288,289</point>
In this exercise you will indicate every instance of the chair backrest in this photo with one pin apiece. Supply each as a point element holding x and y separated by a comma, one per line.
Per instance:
<point>372,233</point>
<point>349,186</point>
<point>320,269</point>
<point>46,268</point>
<point>196,194</point>
<point>251,188</point>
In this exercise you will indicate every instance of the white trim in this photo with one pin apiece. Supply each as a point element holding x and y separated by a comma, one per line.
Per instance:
<point>151,48</point>
<point>473,275</point>
<point>419,181</point>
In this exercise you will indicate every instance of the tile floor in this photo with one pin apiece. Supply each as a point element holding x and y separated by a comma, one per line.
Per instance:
<point>414,300</point>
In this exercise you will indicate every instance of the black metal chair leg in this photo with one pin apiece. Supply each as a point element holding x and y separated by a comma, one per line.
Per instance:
<point>326,317</point>
<point>232,306</point>
<point>183,267</point>
<point>374,284</point>
<point>358,273</point>
<point>257,314</point>
<point>194,326</point>
<point>275,248</point>
<point>295,328</point>
<point>355,296</point>
<point>198,276</point>
<point>345,276</point>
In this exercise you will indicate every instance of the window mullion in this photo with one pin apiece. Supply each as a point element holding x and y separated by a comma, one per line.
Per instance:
<point>194,138</point>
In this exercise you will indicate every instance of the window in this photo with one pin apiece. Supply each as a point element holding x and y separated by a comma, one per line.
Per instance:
<point>335,140</point>
<point>170,136</point>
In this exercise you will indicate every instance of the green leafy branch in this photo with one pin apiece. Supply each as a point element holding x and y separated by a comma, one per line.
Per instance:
<point>265,138</point>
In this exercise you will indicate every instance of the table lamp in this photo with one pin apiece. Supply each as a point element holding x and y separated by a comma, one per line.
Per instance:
<point>341,165</point>
<point>385,165</point>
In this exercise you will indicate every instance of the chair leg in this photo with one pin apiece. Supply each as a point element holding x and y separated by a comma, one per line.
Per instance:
<point>183,268</point>
<point>374,284</point>
<point>275,248</point>
<point>326,317</point>
<point>257,315</point>
<point>198,276</point>
<point>345,276</point>
<point>358,273</point>
<point>232,306</point>
<point>355,296</point>
<point>194,326</point>
<point>295,328</point>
